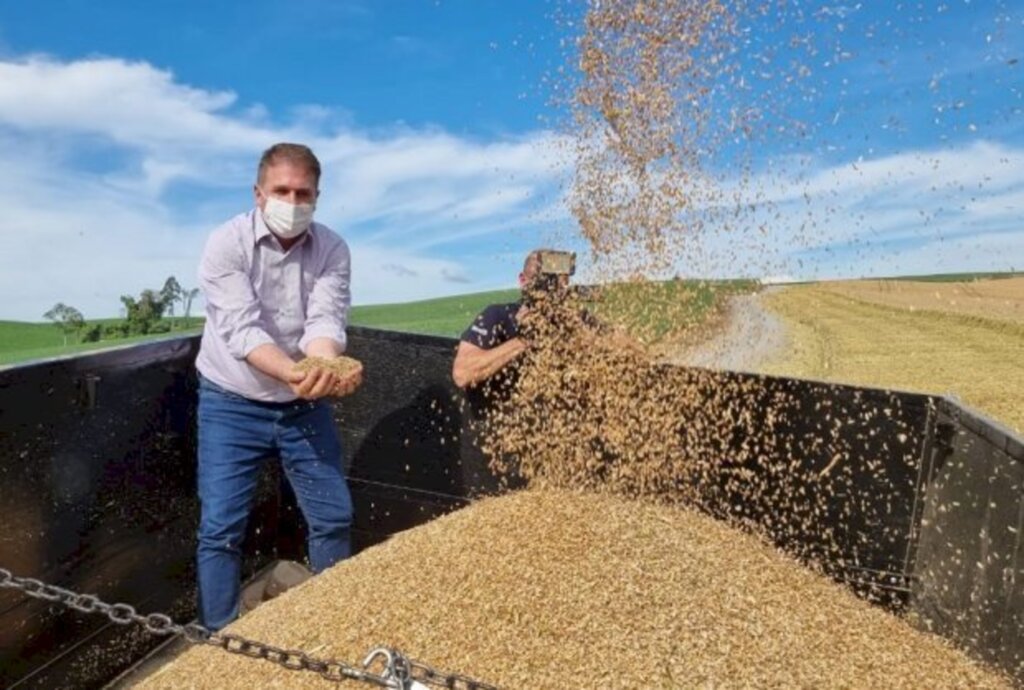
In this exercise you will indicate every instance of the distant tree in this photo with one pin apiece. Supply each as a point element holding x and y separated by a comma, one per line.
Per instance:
<point>186,300</point>
<point>169,294</point>
<point>92,333</point>
<point>118,329</point>
<point>68,319</point>
<point>141,314</point>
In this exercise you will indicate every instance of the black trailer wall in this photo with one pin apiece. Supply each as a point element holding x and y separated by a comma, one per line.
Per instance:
<point>97,483</point>
<point>97,486</point>
<point>97,492</point>
<point>969,571</point>
<point>409,443</point>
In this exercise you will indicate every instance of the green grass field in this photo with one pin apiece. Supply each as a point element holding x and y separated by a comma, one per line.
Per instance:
<point>21,341</point>
<point>448,316</point>
<point>656,309</point>
<point>682,303</point>
<point>662,311</point>
<point>443,316</point>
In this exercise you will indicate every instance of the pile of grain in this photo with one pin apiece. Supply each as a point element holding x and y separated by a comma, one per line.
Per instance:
<point>342,365</point>
<point>551,589</point>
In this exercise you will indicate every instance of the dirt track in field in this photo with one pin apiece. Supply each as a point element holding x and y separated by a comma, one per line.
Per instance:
<point>747,337</point>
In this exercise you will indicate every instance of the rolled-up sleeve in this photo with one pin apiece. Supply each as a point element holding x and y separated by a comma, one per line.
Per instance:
<point>231,302</point>
<point>330,299</point>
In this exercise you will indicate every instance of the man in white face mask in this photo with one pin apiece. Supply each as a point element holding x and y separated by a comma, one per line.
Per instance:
<point>287,204</point>
<point>276,285</point>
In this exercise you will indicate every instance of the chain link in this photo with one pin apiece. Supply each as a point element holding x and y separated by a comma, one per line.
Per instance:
<point>398,672</point>
<point>421,673</point>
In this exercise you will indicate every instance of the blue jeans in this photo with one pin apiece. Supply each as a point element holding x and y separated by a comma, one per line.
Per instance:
<point>236,435</point>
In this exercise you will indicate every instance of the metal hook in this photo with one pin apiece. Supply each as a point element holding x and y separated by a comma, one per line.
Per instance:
<point>396,667</point>
<point>388,656</point>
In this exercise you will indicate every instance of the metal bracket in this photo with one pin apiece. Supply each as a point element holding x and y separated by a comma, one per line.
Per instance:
<point>87,390</point>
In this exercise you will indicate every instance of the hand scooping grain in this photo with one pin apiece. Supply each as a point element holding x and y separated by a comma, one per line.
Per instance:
<point>348,370</point>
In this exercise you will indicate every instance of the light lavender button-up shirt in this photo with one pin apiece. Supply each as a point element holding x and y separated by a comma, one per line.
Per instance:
<point>257,293</point>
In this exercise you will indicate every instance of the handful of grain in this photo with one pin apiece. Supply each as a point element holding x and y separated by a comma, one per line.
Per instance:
<point>341,365</point>
<point>557,589</point>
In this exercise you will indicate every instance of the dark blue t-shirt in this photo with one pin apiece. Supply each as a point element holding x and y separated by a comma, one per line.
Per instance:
<point>493,326</point>
<point>497,324</point>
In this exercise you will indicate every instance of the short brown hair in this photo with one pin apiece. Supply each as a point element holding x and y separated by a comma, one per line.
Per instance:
<point>298,154</point>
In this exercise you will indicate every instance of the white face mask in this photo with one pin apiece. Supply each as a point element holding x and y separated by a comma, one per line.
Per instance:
<point>287,220</point>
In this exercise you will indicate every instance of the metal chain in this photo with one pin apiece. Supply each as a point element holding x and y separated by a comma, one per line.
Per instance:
<point>399,672</point>
<point>421,673</point>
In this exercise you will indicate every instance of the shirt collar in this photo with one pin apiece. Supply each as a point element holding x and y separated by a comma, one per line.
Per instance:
<point>260,226</point>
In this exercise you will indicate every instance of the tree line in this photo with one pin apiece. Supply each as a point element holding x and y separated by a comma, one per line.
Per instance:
<point>142,315</point>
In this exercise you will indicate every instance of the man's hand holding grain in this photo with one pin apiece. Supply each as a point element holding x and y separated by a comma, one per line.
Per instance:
<point>318,377</point>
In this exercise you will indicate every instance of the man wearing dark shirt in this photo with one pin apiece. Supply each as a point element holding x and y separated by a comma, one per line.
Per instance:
<point>493,341</point>
<point>490,343</point>
<point>486,362</point>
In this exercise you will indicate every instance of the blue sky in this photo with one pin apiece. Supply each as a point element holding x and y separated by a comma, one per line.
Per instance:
<point>893,141</point>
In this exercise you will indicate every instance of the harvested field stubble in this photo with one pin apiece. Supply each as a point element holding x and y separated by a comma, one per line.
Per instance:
<point>1000,299</point>
<point>837,337</point>
<point>553,589</point>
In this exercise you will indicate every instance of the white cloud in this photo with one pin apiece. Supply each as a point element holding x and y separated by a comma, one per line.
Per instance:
<point>927,211</point>
<point>103,146</point>
<point>778,280</point>
<point>132,103</point>
<point>117,171</point>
